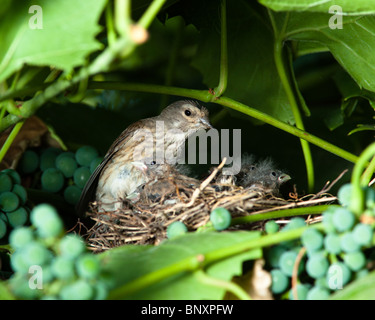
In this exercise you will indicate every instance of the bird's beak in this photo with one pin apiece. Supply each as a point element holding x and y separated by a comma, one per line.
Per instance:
<point>284,178</point>
<point>206,123</point>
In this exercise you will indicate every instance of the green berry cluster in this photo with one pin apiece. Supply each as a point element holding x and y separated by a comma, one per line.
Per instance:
<point>49,264</point>
<point>61,172</point>
<point>13,197</point>
<point>336,254</point>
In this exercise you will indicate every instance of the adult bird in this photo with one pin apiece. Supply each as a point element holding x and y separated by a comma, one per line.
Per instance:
<point>157,139</point>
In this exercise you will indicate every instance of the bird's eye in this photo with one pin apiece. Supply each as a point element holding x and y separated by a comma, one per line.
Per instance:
<point>188,113</point>
<point>252,168</point>
<point>153,162</point>
<point>273,173</point>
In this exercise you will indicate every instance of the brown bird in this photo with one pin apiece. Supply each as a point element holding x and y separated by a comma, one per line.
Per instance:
<point>157,139</point>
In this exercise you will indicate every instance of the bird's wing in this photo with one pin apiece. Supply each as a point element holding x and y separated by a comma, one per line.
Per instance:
<point>88,192</point>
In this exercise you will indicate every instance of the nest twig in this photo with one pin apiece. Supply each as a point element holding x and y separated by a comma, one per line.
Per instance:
<point>185,199</point>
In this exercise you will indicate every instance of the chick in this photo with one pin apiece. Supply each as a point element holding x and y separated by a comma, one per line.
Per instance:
<point>263,173</point>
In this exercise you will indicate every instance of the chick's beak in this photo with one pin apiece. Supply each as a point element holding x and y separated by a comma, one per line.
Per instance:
<point>284,178</point>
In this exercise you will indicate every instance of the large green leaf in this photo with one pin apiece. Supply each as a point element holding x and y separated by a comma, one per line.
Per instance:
<point>67,36</point>
<point>252,74</point>
<point>348,6</point>
<point>352,46</point>
<point>129,263</point>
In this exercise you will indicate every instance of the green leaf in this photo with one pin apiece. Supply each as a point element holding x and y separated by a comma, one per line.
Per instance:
<point>351,46</point>
<point>5,294</point>
<point>252,74</point>
<point>361,289</point>
<point>129,263</point>
<point>348,6</point>
<point>67,36</point>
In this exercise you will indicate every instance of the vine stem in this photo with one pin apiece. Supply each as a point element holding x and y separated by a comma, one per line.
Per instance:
<point>286,82</point>
<point>357,202</point>
<point>219,283</point>
<point>223,80</point>
<point>8,142</point>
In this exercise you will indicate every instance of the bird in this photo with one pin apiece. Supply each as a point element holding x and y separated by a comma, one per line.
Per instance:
<point>262,173</point>
<point>125,165</point>
<point>254,173</point>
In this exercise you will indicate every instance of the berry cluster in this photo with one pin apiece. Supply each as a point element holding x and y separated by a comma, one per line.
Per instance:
<point>337,252</point>
<point>13,196</point>
<point>61,172</point>
<point>49,264</point>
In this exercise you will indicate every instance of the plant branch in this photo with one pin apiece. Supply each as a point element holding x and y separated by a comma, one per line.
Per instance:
<point>8,142</point>
<point>357,202</point>
<point>223,81</point>
<point>287,84</point>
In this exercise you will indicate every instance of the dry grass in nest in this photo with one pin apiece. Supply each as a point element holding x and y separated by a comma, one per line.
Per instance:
<point>180,198</point>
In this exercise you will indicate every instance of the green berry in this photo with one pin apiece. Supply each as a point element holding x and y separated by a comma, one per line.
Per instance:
<point>312,239</point>
<point>13,174</point>
<point>273,255</point>
<point>6,183</point>
<point>20,191</point>
<point>318,293</point>
<point>302,290</point>
<point>363,234</point>
<point>17,217</point>
<point>287,261</point>
<point>271,227</point>
<point>355,260</point>
<point>220,218</point>
<point>327,220</point>
<point>85,155</point>
<point>317,265</point>
<point>45,218</point>
<point>175,229</point>
<point>280,281</point>
<point>88,266</point>
<point>72,194</point>
<point>332,243</point>
<point>29,162</point>
<point>348,244</point>
<point>63,268</point>
<point>66,164</point>
<point>9,201</point>
<point>81,175</point>
<point>71,246</point>
<point>3,228</point>
<point>52,180</point>
<point>36,254</point>
<point>48,158</point>
<point>344,194</point>
<point>20,237</point>
<point>338,275</point>
<point>78,290</point>
<point>343,219</point>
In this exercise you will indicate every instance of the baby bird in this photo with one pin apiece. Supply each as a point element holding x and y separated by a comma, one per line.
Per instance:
<point>263,173</point>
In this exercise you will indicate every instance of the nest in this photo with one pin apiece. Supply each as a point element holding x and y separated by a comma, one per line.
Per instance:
<point>179,198</point>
